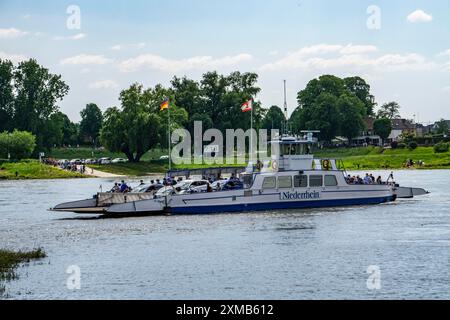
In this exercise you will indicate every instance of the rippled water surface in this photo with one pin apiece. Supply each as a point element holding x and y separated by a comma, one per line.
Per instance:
<point>295,254</point>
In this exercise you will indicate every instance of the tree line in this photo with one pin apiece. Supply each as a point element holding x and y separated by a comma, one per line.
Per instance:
<point>29,96</point>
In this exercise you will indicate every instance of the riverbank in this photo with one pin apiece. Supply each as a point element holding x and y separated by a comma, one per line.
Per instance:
<point>33,169</point>
<point>375,158</point>
<point>370,158</point>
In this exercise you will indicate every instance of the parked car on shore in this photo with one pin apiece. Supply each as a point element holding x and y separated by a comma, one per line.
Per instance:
<point>90,161</point>
<point>105,160</point>
<point>164,158</point>
<point>119,160</point>
<point>75,161</point>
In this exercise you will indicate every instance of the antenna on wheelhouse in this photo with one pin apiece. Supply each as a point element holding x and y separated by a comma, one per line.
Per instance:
<point>285,111</point>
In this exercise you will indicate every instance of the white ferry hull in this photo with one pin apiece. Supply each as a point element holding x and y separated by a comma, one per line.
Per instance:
<point>251,200</point>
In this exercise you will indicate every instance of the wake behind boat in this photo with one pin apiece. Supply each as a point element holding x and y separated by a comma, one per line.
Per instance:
<point>295,180</point>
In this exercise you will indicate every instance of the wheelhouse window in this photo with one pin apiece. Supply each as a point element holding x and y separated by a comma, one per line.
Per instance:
<point>330,181</point>
<point>315,180</point>
<point>285,182</point>
<point>301,181</point>
<point>269,183</point>
<point>292,149</point>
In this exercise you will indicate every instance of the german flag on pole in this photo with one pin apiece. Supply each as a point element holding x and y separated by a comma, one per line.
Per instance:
<point>164,105</point>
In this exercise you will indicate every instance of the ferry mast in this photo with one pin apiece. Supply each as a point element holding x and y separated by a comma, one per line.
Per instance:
<point>285,111</point>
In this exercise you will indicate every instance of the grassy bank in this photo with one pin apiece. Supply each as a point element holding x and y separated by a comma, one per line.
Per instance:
<point>133,169</point>
<point>10,260</point>
<point>377,158</point>
<point>33,169</point>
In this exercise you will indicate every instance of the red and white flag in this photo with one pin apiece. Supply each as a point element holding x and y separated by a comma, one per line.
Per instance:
<point>247,106</point>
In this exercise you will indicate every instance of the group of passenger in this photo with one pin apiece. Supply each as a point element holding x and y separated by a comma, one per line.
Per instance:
<point>367,179</point>
<point>410,163</point>
<point>155,184</point>
<point>121,187</point>
<point>65,165</point>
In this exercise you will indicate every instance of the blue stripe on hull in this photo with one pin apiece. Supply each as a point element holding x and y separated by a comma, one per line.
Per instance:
<point>278,205</point>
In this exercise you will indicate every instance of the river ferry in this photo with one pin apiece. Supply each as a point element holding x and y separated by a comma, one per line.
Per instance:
<point>295,180</point>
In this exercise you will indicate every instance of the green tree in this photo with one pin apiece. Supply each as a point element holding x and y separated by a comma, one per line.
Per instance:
<point>351,111</point>
<point>383,128</point>
<point>317,107</point>
<point>441,127</point>
<point>37,93</point>
<point>326,83</point>
<point>66,132</point>
<point>187,94</point>
<point>138,125</point>
<point>91,123</point>
<point>223,97</point>
<point>361,89</point>
<point>6,94</point>
<point>18,144</point>
<point>324,116</point>
<point>390,110</point>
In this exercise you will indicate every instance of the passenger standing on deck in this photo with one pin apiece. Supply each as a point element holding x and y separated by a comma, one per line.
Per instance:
<point>123,187</point>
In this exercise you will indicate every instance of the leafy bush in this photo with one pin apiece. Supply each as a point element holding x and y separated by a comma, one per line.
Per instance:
<point>412,145</point>
<point>18,144</point>
<point>394,144</point>
<point>401,146</point>
<point>441,147</point>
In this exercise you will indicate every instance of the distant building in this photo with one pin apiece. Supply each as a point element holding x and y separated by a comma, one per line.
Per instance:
<point>431,128</point>
<point>368,136</point>
<point>435,125</point>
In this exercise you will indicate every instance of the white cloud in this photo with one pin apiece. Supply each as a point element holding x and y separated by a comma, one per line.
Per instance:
<point>85,59</point>
<point>77,36</point>
<point>103,84</point>
<point>348,56</point>
<point>323,49</point>
<point>11,33</point>
<point>447,89</point>
<point>14,58</point>
<point>419,16</point>
<point>155,62</point>
<point>358,49</point>
<point>447,66</point>
<point>273,53</point>
<point>26,16</point>
<point>139,45</point>
<point>444,53</point>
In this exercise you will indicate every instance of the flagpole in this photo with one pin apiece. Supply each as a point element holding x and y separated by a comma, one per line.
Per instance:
<point>168,138</point>
<point>251,134</point>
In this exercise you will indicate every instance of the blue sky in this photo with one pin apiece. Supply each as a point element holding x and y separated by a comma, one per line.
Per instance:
<point>120,42</point>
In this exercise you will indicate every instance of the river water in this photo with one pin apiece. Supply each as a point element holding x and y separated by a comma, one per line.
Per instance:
<point>295,254</point>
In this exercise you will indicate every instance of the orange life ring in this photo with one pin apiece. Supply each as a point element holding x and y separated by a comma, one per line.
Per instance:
<point>275,165</point>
